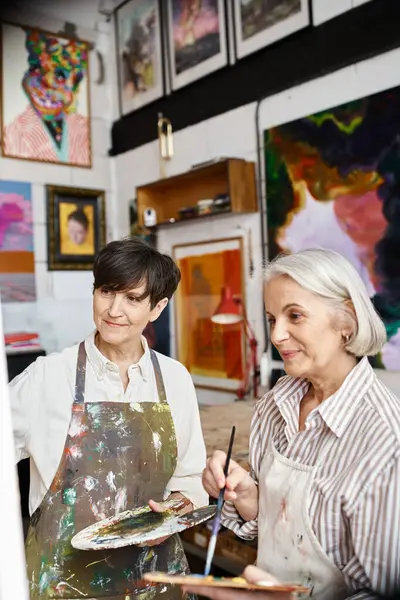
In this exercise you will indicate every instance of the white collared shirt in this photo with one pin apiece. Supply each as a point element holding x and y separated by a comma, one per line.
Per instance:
<point>42,397</point>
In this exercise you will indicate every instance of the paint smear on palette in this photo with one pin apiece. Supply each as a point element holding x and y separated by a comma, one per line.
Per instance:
<point>139,526</point>
<point>225,582</point>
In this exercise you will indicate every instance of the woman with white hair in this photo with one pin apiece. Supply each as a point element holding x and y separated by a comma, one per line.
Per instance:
<point>323,494</point>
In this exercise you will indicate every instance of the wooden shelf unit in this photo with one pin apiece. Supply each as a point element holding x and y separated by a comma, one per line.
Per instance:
<point>232,176</point>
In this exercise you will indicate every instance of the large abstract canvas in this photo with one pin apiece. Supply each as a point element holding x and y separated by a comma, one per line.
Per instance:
<point>44,97</point>
<point>333,181</point>
<point>213,354</point>
<point>17,263</point>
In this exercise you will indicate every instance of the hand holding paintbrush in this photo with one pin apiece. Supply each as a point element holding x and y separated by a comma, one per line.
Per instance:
<point>234,482</point>
<point>217,518</point>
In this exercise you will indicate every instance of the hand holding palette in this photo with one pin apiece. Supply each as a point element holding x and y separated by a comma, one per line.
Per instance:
<point>140,526</point>
<point>223,582</point>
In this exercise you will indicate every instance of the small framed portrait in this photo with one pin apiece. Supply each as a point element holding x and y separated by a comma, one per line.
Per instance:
<point>76,227</point>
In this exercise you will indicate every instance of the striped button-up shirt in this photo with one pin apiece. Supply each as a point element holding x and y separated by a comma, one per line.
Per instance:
<point>355,497</point>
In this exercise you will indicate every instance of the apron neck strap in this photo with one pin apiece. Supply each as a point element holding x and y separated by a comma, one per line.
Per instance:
<point>79,397</point>
<point>159,378</point>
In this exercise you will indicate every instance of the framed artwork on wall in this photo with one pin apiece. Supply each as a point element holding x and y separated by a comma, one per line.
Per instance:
<point>333,181</point>
<point>76,228</point>
<point>196,39</point>
<point>139,54</point>
<point>213,354</point>
<point>258,23</point>
<point>45,114</point>
<point>17,259</point>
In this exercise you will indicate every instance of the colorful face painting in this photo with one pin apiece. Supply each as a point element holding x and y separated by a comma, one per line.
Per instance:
<point>333,180</point>
<point>46,117</point>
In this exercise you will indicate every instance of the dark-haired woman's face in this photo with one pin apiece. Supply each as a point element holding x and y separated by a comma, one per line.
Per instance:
<point>120,317</point>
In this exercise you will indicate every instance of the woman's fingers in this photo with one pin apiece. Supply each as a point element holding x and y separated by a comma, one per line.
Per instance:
<point>255,575</point>
<point>156,506</point>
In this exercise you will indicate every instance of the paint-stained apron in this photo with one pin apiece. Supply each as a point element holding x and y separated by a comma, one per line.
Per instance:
<point>287,545</point>
<point>116,457</point>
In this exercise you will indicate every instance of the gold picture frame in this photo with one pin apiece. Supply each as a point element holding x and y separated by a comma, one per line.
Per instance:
<point>76,227</point>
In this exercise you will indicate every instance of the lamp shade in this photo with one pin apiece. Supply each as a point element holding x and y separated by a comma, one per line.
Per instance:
<point>228,311</point>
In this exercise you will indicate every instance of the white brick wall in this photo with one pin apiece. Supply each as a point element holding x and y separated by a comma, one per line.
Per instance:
<point>62,314</point>
<point>324,10</point>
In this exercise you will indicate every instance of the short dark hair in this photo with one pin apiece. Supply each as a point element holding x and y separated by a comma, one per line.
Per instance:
<point>126,264</point>
<point>79,216</point>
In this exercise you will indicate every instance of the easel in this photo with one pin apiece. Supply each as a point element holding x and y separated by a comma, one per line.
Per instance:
<point>13,580</point>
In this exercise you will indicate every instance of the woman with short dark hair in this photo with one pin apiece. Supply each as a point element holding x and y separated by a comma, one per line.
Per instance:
<point>109,425</point>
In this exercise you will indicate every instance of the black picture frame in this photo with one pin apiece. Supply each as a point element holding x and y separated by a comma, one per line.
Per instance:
<point>66,204</point>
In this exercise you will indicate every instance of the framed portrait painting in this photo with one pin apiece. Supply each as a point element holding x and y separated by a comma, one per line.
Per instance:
<point>139,51</point>
<point>258,23</point>
<point>196,39</point>
<point>76,227</point>
<point>213,354</point>
<point>44,97</point>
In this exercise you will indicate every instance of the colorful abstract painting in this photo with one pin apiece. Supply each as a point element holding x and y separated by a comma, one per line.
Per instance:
<point>333,181</point>
<point>213,354</point>
<point>17,261</point>
<point>45,97</point>
<point>197,39</point>
<point>139,54</point>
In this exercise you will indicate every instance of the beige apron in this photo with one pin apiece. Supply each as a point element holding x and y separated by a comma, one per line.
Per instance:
<point>287,545</point>
<point>116,457</point>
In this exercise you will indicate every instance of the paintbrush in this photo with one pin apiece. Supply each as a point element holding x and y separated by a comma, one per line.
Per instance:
<point>217,518</point>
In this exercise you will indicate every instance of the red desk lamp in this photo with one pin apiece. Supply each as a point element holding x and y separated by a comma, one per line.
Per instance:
<point>229,311</point>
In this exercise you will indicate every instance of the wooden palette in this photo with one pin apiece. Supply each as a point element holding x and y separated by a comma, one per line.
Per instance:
<point>223,582</point>
<point>139,526</point>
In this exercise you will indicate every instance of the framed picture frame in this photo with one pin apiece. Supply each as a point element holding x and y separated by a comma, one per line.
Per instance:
<point>258,23</point>
<point>197,39</point>
<point>139,46</point>
<point>213,354</point>
<point>76,227</point>
<point>45,101</point>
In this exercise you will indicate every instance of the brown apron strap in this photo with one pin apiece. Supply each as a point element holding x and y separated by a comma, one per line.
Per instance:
<point>79,397</point>
<point>159,378</point>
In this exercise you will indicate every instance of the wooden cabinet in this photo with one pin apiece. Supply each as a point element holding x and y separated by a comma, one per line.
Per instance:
<point>231,177</point>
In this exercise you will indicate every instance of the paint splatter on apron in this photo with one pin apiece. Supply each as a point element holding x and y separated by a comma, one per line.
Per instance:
<point>116,457</point>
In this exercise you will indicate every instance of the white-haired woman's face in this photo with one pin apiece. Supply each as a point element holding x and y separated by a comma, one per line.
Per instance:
<point>302,329</point>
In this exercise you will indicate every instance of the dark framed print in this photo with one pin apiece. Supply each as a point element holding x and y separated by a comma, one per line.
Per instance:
<point>197,40</point>
<point>76,227</point>
<point>139,54</point>
<point>259,23</point>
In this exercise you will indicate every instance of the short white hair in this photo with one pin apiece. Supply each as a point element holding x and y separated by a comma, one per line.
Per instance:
<point>331,276</point>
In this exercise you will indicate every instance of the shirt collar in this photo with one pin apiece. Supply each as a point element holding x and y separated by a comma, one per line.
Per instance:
<point>337,411</point>
<point>99,362</point>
